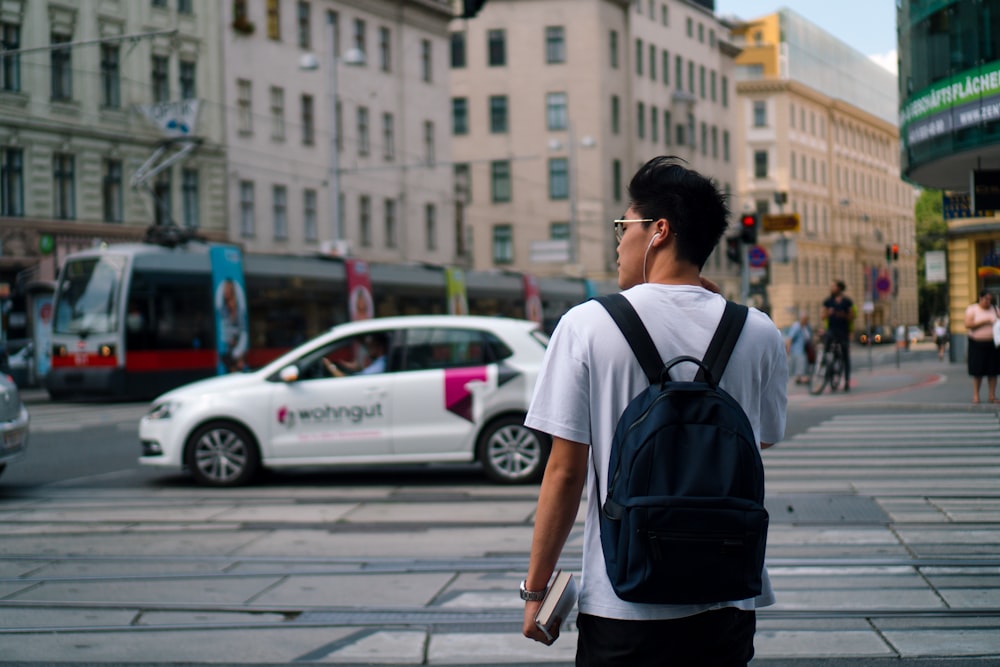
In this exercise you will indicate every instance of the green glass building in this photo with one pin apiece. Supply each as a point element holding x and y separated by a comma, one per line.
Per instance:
<point>949,131</point>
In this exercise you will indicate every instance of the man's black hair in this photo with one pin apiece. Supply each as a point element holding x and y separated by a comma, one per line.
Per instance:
<point>692,203</point>
<point>841,285</point>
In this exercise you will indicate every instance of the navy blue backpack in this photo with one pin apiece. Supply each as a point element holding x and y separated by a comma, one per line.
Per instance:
<point>684,519</point>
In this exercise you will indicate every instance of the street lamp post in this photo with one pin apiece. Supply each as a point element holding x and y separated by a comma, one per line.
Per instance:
<point>353,56</point>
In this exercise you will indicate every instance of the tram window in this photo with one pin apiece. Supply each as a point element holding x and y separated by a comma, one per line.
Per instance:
<point>169,312</point>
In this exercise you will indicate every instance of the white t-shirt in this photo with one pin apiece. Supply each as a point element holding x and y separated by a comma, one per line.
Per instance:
<point>590,374</point>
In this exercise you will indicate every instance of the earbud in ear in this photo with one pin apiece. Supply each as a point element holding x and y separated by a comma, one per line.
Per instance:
<point>656,234</point>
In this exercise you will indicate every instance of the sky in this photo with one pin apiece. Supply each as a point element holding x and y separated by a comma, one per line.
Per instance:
<point>875,36</point>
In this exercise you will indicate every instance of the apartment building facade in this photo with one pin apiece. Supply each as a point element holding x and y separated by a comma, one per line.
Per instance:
<point>76,126</point>
<point>818,138</point>
<point>555,103</point>
<point>380,150</point>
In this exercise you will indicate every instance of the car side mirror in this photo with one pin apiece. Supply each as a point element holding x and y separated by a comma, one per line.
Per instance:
<point>289,374</point>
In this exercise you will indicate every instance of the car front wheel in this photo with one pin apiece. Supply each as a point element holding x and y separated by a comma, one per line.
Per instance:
<point>512,453</point>
<point>222,454</point>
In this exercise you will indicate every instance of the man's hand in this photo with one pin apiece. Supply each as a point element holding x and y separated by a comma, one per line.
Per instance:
<point>531,631</point>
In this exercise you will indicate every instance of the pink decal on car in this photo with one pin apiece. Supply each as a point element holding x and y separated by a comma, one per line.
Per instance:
<point>457,398</point>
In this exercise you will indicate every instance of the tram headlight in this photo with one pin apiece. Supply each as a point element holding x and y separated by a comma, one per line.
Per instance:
<point>164,410</point>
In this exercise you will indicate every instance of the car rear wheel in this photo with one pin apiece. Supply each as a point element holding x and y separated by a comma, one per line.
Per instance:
<point>222,454</point>
<point>512,453</point>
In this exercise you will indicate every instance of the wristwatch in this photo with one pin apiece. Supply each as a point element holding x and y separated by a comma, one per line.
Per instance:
<point>531,596</point>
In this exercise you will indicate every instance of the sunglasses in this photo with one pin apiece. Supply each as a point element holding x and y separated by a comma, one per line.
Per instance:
<point>619,226</point>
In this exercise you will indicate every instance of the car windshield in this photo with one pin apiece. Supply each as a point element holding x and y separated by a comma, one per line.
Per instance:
<point>87,293</point>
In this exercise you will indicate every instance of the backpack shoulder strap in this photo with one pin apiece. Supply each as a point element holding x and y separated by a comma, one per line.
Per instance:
<point>723,342</point>
<point>635,333</point>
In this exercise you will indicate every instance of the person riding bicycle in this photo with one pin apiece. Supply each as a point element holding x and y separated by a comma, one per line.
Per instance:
<point>839,312</point>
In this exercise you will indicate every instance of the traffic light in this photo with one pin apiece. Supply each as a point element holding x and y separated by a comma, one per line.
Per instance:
<point>733,249</point>
<point>895,252</point>
<point>748,228</point>
<point>888,252</point>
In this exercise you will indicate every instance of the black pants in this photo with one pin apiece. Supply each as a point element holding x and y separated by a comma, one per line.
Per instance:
<point>719,638</point>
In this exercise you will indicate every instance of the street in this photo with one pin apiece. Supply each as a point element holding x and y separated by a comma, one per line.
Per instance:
<point>883,547</point>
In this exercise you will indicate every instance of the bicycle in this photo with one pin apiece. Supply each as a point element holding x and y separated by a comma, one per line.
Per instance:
<point>829,369</point>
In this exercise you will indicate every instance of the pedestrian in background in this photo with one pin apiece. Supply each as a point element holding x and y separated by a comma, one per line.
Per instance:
<point>984,357</point>
<point>940,338</point>
<point>797,342</point>
<point>588,377</point>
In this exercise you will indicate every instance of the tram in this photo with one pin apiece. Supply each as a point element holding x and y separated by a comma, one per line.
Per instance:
<point>134,320</point>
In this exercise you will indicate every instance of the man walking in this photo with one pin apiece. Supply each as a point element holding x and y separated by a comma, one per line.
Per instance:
<point>590,374</point>
<point>838,310</point>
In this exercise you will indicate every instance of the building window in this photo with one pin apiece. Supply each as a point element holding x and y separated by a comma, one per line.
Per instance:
<point>793,163</point>
<point>503,244</point>
<point>555,111</point>
<point>388,137</point>
<point>364,142</point>
<point>279,211</point>
<point>391,231</point>
<point>305,25</point>
<point>613,48</point>
<point>110,77</point>
<point>760,164</point>
<point>308,121</point>
<point>759,113</point>
<point>430,226</point>
<point>160,79</point>
<point>640,125</point>
<point>385,49</point>
<point>667,128</point>
<point>496,53</point>
<point>309,214</point>
<point>463,182</point>
<point>558,178</point>
<point>616,179</point>
<point>359,35</point>
<point>654,124</point>
<point>725,91</point>
<point>559,231</point>
<point>185,6</point>
<point>189,197</point>
<point>638,57</point>
<point>240,13</point>
<point>365,220</point>
<point>555,45</point>
<point>111,191</point>
<point>690,27</point>
<point>498,114</point>
<point>459,115</point>
<point>500,180</point>
<point>426,62</point>
<point>273,20</point>
<point>61,69</point>
<point>160,4</point>
<point>10,66</point>
<point>187,80</point>
<point>712,85</point>
<point>715,142</point>
<point>277,113</point>
<point>163,198</point>
<point>691,77</point>
<point>12,182</point>
<point>457,50</point>
<point>244,110</point>
<point>704,139</point>
<point>665,67</point>
<point>615,114</point>
<point>429,153</point>
<point>701,81</point>
<point>652,62</point>
<point>63,187</point>
<point>246,209</point>
<point>664,17</point>
<point>678,72</point>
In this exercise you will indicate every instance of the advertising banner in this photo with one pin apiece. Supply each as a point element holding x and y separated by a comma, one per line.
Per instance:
<point>532,299</point>
<point>360,304</point>
<point>458,302</point>
<point>232,337</point>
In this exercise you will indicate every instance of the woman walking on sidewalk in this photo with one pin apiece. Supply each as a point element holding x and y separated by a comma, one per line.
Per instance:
<point>984,357</point>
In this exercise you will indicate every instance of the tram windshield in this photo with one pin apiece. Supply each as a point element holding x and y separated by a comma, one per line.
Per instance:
<point>87,296</point>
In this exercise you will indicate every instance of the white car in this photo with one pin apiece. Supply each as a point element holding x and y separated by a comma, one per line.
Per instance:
<point>453,389</point>
<point>13,422</point>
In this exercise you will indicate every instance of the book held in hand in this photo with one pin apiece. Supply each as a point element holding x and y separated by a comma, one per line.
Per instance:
<point>557,603</point>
